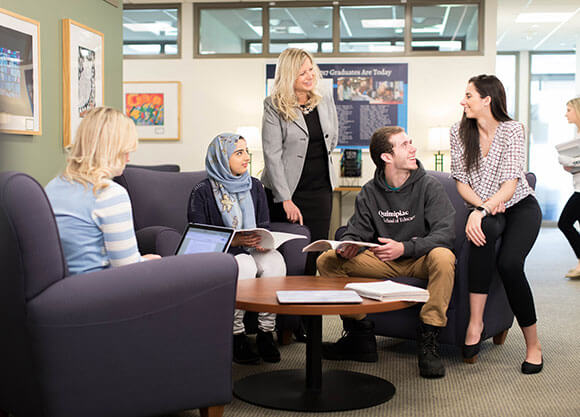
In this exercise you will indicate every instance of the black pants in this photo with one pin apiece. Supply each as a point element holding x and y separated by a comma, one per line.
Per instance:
<point>316,208</point>
<point>571,214</point>
<point>518,227</point>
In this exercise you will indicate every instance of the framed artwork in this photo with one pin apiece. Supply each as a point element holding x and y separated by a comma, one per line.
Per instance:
<point>155,107</point>
<point>83,73</point>
<point>20,106</point>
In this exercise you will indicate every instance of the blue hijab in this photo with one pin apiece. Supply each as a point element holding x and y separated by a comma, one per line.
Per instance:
<point>231,192</point>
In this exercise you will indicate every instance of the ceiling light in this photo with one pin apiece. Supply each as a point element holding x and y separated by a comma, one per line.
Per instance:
<point>382,23</point>
<point>542,17</point>
<point>155,28</point>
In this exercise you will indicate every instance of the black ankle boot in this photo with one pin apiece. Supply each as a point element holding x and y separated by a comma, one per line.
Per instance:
<point>243,352</point>
<point>358,343</point>
<point>430,364</point>
<point>267,347</point>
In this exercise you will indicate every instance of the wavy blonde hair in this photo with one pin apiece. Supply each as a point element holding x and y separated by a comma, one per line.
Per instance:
<point>99,152</point>
<point>575,104</point>
<point>287,71</point>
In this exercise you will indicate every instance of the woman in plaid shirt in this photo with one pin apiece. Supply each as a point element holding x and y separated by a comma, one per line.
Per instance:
<point>487,162</point>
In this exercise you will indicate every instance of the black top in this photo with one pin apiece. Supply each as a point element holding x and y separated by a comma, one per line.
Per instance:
<point>314,175</point>
<point>204,209</point>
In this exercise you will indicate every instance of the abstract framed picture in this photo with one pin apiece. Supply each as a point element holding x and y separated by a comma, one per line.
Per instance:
<point>155,107</point>
<point>83,74</point>
<point>20,109</point>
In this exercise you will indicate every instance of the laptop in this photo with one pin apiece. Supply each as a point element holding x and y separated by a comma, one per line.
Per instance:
<point>202,238</point>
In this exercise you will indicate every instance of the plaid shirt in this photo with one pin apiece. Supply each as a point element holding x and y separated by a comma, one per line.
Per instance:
<point>504,162</point>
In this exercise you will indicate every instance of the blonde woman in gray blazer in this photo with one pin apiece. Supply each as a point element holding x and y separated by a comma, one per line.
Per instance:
<point>299,132</point>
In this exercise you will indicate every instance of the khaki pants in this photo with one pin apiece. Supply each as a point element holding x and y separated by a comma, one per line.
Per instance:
<point>438,266</point>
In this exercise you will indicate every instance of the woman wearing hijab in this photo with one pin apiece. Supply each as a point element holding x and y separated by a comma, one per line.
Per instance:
<point>231,197</point>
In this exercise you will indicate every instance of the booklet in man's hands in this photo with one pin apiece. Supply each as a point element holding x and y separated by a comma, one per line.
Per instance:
<point>271,240</point>
<point>323,244</point>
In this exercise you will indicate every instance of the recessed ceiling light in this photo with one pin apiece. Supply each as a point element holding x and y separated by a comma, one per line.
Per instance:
<point>542,17</point>
<point>382,23</point>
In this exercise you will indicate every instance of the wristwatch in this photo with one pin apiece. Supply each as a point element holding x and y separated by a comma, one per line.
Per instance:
<point>483,210</point>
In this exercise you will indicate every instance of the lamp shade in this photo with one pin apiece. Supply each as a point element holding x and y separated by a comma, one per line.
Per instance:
<point>252,136</point>
<point>439,139</point>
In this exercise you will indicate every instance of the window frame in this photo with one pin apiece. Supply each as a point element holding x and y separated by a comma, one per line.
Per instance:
<point>407,34</point>
<point>145,6</point>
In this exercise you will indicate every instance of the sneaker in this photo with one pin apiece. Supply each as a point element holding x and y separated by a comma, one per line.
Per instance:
<point>243,352</point>
<point>358,343</point>
<point>430,363</point>
<point>267,347</point>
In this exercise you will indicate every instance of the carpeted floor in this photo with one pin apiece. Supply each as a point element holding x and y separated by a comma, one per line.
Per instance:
<point>493,386</point>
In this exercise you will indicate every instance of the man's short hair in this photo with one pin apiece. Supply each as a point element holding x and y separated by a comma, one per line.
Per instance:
<point>381,143</point>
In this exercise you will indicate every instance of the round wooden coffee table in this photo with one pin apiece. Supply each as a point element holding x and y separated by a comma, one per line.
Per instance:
<point>310,389</point>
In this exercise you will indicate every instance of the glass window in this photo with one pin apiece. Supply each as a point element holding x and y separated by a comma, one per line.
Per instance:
<point>300,27</point>
<point>445,28</point>
<point>551,86</point>
<point>372,29</point>
<point>151,31</point>
<point>505,70</point>
<point>230,31</point>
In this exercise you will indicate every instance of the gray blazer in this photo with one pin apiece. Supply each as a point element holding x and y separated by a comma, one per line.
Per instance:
<point>285,144</point>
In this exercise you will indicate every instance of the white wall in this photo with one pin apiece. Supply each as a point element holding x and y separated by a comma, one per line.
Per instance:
<point>218,95</point>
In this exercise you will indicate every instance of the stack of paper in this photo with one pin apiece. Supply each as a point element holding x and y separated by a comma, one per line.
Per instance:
<point>318,297</point>
<point>389,291</point>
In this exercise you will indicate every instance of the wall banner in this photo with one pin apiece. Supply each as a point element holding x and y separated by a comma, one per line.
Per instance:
<point>367,96</point>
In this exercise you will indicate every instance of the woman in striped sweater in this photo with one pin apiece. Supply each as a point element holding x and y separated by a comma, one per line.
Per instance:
<point>93,213</point>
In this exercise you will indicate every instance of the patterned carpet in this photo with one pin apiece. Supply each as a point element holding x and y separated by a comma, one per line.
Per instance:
<point>493,386</point>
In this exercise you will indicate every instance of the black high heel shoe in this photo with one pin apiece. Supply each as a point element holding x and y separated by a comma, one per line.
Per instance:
<point>470,352</point>
<point>532,368</point>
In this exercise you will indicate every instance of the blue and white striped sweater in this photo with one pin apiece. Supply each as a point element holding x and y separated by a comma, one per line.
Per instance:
<point>96,232</point>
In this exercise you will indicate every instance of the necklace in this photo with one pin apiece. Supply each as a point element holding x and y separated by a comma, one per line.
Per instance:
<point>306,108</point>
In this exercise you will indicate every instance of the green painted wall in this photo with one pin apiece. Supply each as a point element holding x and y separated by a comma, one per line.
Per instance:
<point>43,156</point>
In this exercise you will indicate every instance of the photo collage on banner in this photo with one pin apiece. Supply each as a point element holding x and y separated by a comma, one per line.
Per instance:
<point>367,96</point>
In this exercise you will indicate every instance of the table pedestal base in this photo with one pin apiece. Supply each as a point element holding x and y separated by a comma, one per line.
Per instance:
<point>340,391</point>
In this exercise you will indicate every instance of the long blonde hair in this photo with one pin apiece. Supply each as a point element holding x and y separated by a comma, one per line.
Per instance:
<point>103,139</point>
<point>575,104</point>
<point>287,71</point>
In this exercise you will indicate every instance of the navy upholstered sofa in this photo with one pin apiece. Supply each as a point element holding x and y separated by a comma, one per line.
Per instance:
<point>498,316</point>
<point>126,341</point>
<point>160,201</point>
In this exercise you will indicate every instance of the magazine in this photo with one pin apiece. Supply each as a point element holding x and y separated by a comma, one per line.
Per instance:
<point>271,240</point>
<point>323,244</point>
<point>389,291</point>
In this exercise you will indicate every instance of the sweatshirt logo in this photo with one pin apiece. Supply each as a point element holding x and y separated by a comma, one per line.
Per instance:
<point>398,216</point>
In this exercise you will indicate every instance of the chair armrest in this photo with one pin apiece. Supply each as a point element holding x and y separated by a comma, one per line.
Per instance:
<point>292,250</point>
<point>137,290</point>
<point>161,240</point>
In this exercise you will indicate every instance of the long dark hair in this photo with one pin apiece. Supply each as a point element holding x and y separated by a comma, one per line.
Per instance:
<point>486,85</point>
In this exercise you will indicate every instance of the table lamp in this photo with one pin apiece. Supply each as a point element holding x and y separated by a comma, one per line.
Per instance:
<point>439,141</point>
<point>252,136</point>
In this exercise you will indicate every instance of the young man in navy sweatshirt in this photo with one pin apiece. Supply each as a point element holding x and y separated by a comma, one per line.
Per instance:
<point>409,214</point>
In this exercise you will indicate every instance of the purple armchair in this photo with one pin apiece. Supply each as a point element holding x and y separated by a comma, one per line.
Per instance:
<point>498,316</point>
<point>127,341</point>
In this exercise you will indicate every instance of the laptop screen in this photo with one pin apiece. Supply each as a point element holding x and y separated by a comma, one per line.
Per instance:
<point>199,238</point>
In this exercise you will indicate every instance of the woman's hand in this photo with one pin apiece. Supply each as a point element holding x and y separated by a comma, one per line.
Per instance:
<point>500,208</point>
<point>473,228</point>
<point>292,212</point>
<point>248,240</point>
<point>151,256</point>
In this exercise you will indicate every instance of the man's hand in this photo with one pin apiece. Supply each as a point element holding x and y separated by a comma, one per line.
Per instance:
<point>390,251</point>
<point>347,250</point>
<point>473,228</point>
<point>292,212</point>
<point>248,240</point>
